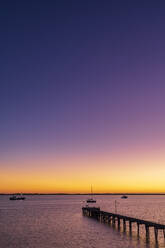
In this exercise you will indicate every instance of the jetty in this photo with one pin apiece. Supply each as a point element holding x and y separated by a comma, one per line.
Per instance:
<point>114,218</point>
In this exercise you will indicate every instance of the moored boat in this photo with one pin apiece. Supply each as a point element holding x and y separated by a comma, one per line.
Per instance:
<point>91,200</point>
<point>14,197</point>
<point>124,197</point>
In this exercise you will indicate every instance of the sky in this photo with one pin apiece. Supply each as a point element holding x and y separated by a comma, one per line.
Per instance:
<point>82,96</point>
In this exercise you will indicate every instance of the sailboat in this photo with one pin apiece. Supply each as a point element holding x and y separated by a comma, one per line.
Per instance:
<point>91,200</point>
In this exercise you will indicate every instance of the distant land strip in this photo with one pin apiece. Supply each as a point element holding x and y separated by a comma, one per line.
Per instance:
<point>82,193</point>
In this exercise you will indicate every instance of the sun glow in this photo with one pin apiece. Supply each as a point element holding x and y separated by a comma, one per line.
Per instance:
<point>108,174</point>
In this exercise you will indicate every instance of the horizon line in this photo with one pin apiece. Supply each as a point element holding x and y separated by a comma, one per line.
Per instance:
<point>121,193</point>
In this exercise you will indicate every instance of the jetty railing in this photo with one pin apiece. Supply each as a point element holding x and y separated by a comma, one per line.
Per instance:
<point>107,217</point>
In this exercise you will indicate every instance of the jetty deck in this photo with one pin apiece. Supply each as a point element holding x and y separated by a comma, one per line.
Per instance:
<point>114,218</point>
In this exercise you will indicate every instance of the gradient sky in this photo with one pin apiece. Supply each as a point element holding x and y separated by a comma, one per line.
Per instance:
<point>82,96</point>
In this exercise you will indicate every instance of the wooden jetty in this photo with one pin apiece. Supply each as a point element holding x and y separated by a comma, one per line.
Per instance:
<point>112,218</point>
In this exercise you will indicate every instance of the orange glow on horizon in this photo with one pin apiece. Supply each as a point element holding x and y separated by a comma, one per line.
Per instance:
<point>107,174</point>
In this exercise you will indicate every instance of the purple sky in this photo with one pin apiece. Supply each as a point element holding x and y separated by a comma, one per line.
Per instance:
<point>81,76</point>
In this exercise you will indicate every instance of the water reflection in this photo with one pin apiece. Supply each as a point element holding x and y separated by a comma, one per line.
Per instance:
<point>57,221</point>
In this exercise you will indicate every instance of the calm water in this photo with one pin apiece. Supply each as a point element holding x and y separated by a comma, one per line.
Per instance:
<point>57,222</point>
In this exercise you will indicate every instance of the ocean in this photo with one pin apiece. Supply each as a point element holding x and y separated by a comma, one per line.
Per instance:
<point>56,221</point>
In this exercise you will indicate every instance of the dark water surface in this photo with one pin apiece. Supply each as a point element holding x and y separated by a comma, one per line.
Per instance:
<point>57,222</point>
